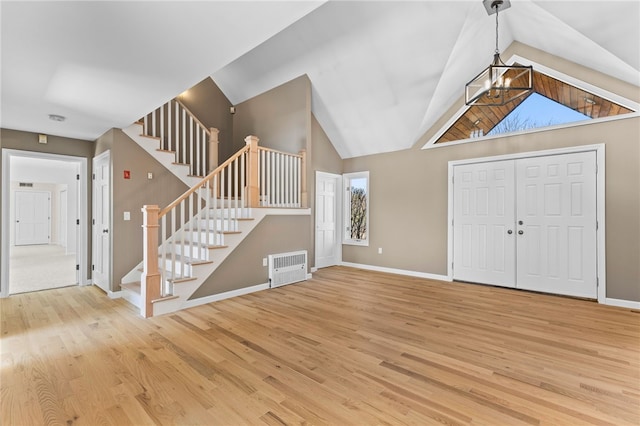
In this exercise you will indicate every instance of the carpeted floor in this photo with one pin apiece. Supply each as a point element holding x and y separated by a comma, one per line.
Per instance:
<point>40,267</point>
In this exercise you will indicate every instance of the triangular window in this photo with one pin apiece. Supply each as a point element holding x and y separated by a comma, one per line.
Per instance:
<point>552,102</point>
<point>534,112</point>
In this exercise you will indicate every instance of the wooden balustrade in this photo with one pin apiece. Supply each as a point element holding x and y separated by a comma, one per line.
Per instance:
<point>253,177</point>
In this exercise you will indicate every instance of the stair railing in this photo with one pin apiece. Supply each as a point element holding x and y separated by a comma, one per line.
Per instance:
<point>180,132</point>
<point>197,220</point>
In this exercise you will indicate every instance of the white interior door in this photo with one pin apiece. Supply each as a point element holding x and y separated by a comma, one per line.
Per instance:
<point>484,240</point>
<point>33,217</point>
<point>528,223</point>
<point>101,265</point>
<point>556,213</point>
<point>328,246</point>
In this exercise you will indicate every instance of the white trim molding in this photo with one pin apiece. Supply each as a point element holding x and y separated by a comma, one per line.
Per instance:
<point>226,295</point>
<point>629,304</point>
<point>82,250</point>
<point>397,271</point>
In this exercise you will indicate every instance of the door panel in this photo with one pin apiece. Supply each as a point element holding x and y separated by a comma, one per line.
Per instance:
<point>483,215</point>
<point>556,203</point>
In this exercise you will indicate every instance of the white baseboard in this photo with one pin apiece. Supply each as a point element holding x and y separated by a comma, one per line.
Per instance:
<point>114,294</point>
<point>397,271</point>
<point>225,295</point>
<point>622,303</point>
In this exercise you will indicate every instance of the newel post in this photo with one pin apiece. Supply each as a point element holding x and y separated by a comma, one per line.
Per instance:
<point>303,179</point>
<point>253,188</point>
<point>213,149</point>
<point>150,281</point>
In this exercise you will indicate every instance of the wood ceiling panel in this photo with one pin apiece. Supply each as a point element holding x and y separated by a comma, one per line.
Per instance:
<point>565,94</point>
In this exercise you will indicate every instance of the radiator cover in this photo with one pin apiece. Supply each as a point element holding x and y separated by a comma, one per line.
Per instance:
<point>287,268</point>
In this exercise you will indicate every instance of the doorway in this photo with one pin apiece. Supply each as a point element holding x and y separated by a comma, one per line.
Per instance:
<point>41,249</point>
<point>328,246</point>
<point>530,222</point>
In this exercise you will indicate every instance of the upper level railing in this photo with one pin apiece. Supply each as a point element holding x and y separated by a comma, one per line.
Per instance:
<point>180,235</point>
<point>181,132</point>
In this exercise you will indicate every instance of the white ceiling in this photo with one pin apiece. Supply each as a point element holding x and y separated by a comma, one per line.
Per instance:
<point>381,72</point>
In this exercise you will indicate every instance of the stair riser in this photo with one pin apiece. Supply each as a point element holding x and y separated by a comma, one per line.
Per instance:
<point>211,239</point>
<point>226,213</point>
<point>169,266</point>
<point>218,224</point>
<point>198,252</point>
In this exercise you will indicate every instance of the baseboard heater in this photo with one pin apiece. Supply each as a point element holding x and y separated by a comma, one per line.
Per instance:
<point>287,268</point>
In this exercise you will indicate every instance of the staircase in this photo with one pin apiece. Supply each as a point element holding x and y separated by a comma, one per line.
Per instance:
<point>185,242</point>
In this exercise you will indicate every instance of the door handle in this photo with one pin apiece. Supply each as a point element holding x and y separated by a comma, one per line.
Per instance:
<point>520,232</point>
<point>509,232</point>
<point>520,222</point>
<point>105,231</point>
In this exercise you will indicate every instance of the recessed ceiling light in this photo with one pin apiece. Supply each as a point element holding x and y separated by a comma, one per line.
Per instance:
<point>56,117</point>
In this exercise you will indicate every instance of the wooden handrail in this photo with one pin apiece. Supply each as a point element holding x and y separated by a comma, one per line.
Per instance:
<point>206,129</point>
<point>202,182</point>
<point>261,148</point>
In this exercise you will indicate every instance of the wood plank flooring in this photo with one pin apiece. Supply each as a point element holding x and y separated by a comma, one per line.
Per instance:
<point>347,347</point>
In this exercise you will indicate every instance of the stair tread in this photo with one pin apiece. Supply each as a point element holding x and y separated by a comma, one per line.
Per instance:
<point>150,137</point>
<point>181,280</point>
<point>165,298</point>
<point>168,151</point>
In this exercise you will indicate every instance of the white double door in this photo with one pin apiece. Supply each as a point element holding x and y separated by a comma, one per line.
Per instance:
<point>528,223</point>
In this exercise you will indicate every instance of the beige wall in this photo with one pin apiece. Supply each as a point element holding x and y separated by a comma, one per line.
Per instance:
<point>207,102</point>
<point>28,141</point>
<point>130,195</point>
<point>280,118</point>
<point>408,200</point>
<point>243,267</point>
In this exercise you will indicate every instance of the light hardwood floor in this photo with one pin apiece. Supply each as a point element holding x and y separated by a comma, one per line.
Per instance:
<point>348,347</point>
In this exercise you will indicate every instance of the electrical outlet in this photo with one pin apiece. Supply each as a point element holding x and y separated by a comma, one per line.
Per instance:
<point>127,215</point>
<point>264,262</point>
<point>149,175</point>
<point>379,250</point>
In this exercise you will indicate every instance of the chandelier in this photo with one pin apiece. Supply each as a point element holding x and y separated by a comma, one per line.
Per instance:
<point>499,83</point>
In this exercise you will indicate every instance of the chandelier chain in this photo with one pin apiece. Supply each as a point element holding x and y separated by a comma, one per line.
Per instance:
<point>497,10</point>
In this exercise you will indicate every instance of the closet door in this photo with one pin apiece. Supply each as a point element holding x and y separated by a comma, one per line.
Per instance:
<point>556,224</point>
<point>483,232</point>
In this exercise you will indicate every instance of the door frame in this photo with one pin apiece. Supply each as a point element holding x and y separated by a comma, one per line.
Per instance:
<point>338,215</point>
<point>599,149</point>
<point>83,194</point>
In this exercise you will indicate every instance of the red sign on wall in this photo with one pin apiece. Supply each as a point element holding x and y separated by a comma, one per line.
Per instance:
<point>127,174</point>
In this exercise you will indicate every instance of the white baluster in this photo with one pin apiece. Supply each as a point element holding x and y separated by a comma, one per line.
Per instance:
<point>183,154</point>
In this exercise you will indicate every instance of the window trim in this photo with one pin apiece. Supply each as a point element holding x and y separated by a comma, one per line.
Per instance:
<point>346,179</point>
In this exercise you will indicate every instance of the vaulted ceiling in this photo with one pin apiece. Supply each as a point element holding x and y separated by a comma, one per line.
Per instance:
<point>382,73</point>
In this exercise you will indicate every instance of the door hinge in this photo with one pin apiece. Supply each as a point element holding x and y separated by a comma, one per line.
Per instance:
<point>597,225</point>
<point>77,267</point>
<point>453,179</point>
<point>77,221</point>
<point>93,176</point>
<point>93,267</point>
<point>93,221</point>
<point>77,177</point>
<point>597,282</point>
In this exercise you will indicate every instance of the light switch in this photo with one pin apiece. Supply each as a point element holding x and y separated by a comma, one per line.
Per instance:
<point>127,215</point>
